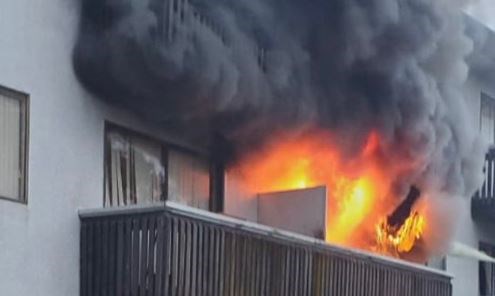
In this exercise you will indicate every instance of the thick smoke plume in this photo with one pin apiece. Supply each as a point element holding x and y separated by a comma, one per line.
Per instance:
<point>246,69</point>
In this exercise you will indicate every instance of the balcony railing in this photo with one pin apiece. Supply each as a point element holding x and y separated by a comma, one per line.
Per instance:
<point>483,202</point>
<point>176,251</point>
<point>174,16</point>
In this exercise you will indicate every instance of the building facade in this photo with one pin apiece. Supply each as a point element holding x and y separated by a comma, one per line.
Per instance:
<point>475,225</point>
<point>63,150</point>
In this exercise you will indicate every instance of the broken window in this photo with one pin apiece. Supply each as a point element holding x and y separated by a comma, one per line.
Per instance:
<point>13,138</point>
<point>134,172</point>
<point>140,170</point>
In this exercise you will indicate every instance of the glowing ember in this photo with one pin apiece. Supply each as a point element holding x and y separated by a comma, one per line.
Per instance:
<point>359,189</point>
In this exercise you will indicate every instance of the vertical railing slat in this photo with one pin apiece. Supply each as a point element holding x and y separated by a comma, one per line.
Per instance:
<point>143,255</point>
<point>99,240</point>
<point>112,258</point>
<point>127,256</point>
<point>199,267</point>
<point>181,262</point>
<point>85,259</point>
<point>150,270</point>
<point>119,276</point>
<point>188,261</point>
<point>136,233</point>
<point>159,261</point>
<point>174,258</point>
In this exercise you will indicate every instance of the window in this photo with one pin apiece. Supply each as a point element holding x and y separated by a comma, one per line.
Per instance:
<point>140,170</point>
<point>13,138</point>
<point>134,171</point>
<point>487,272</point>
<point>188,180</point>
<point>487,118</point>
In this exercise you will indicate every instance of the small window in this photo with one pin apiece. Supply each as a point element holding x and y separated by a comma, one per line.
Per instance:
<point>13,138</point>
<point>487,272</point>
<point>140,170</point>
<point>487,118</point>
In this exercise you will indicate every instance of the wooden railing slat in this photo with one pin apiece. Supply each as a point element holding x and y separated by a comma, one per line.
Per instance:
<point>143,255</point>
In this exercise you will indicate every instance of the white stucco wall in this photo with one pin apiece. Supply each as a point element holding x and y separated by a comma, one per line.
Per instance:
<point>465,270</point>
<point>469,232</point>
<point>39,242</point>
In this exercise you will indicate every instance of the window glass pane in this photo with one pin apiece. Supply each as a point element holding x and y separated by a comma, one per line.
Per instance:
<point>188,180</point>
<point>134,173</point>
<point>487,118</point>
<point>10,148</point>
<point>148,169</point>
<point>133,169</point>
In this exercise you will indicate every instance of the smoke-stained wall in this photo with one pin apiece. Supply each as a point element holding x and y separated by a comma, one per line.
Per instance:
<point>247,69</point>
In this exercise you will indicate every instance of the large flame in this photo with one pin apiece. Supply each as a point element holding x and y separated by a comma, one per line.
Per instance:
<point>359,188</point>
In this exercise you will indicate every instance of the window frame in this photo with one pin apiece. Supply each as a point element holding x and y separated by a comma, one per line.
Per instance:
<point>24,99</point>
<point>109,127</point>
<point>216,172</point>
<point>486,99</point>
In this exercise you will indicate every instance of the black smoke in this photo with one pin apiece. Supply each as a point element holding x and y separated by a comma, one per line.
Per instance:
<point>245,69</point>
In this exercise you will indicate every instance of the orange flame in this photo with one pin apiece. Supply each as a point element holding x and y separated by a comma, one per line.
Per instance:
<point>358,188</point>
<point>393,242</point>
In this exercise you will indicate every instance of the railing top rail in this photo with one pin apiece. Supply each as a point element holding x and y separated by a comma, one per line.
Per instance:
<point>254,228</point>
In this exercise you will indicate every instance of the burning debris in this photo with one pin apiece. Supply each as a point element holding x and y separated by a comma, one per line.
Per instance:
<point>399,233</point>
<point>362,96</point>
<point>403,211</point>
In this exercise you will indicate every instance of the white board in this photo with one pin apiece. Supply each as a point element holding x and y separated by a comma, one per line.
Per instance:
<point>300,211</point>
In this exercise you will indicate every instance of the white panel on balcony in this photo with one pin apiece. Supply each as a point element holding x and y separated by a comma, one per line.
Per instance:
<point>301,211</point>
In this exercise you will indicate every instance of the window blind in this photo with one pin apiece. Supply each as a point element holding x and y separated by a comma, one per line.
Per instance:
<point>10,147</point>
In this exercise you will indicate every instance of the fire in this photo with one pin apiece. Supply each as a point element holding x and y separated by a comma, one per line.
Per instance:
<point>396,241</point>
<point>354,203</point>
<point>359,188</point>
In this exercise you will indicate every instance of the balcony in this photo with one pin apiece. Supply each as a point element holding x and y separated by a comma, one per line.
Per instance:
<point>483,202</point>
<point>172,250</point>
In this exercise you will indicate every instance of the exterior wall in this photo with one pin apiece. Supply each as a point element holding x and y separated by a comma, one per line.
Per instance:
<point>39,242</point>
<point>465,270</point>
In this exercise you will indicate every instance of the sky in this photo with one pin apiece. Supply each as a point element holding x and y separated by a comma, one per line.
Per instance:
<point>484,10</point>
